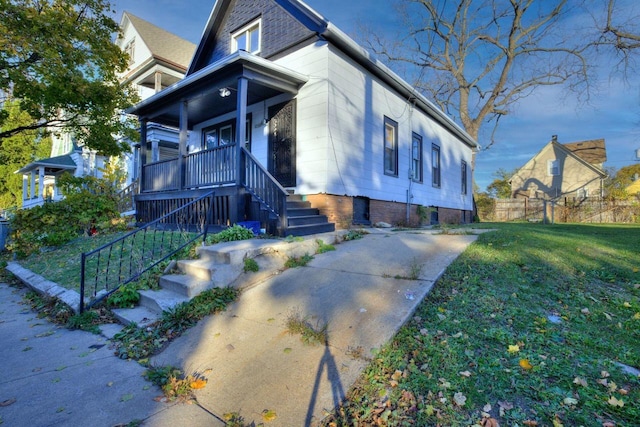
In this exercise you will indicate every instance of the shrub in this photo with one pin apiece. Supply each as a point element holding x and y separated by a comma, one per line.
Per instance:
<point>231,234</point>
<point>90,205</point>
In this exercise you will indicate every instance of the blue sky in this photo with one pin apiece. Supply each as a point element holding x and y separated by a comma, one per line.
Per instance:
<point>613,113</point>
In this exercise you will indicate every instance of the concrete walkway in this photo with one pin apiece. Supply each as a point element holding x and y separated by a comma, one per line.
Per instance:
<point>360,292</point>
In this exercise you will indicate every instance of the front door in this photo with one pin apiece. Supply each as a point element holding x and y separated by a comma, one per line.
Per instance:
<point>282,143</point>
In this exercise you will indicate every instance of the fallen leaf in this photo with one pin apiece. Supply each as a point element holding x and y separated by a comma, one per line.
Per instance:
<point>603,381</point>
<point>198,384</point>
<point>396,375</point>
<point>393,383</point>
<point>557,422</point>
<point>110,383</point>
<point>580,381</point>
<point>607,315</point>
<point>608,424</point>
<point>269,415</point>
<point>459,399</point>
<point>8,402</point>
<point>458,335</point>
<point>126,397</point>
<point>524,364</point>
<point>466,374</point>
<point>612,386</point>
<point>487,407</point>
<point>604,374</point>
<point>490,422</point>
<point>615,402</point>
<point>623,391</point>
<point>570,401</point>
<point>627,304</point>
<point>637,316</point>
<point>530,423</point>
<point>513,349</point>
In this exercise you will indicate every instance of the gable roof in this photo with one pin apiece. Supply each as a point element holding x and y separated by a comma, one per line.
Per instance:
<point>325,30</point>
<point>163,45</point>
<point>592,151</point>
<point>566,148</point>
<point>51,165</point>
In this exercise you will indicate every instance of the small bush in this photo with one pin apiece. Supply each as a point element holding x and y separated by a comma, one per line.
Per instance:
<point>231,234</point>
<point>125,297</point>
<point>309,335</point>
<point>354,235</point>
<point>298,262</point>
<point>250,265</point>
<point>173,382</point>
<point>324,247</point>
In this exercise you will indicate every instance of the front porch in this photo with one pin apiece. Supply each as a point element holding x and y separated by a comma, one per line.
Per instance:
<point>218,156</point>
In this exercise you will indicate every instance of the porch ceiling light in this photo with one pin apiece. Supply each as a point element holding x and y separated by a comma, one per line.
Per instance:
<point>224,92</point>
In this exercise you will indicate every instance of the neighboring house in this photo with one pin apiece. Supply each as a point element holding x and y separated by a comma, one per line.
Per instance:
<point>316,115</point>
<point>634,187</point>
<point>158,59</point>
<point>562,170</point>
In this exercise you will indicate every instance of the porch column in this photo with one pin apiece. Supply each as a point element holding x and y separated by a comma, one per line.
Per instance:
<point>143,152</point>
<point>241,136</point>
<point>241,127</point>
<point>155,150</point>
<point>158,82</point>
<point>182,158</point>
<point>32,194</point>
<point>25,187</point>
<point>41,183</point>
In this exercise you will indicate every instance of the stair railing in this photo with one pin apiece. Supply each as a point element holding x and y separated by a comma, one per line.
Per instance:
<point>105,269</point>
<point>264,188</point>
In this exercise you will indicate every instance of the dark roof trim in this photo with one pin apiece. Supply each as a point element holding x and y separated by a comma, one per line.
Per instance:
<point>65,162</point>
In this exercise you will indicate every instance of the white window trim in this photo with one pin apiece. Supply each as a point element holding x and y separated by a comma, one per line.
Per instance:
<point>245,29</point>
<point>551,170</point>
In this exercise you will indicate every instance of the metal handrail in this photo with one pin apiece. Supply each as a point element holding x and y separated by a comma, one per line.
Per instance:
<point>116,263</point>
<point>264,187</point>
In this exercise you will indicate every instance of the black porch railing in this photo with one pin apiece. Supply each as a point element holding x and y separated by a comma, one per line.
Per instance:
<point>124,260</point>
<point>264,188</point>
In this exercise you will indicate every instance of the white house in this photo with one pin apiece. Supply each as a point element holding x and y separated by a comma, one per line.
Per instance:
<point>315,114</point>
<point>157,59</point>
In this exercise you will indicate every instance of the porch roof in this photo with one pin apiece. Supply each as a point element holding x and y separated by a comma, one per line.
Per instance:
<point>51,165</point>
<point>201,89</point>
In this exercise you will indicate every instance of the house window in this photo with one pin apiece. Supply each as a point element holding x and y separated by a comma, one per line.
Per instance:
<point>464,177</point>
<point>247,38</point>
<point>435,165</point>
<point>416,157</point>
<point>224,134</point>
<point>582,193</point>
<point>553,168</point>
<point>390,147</point>
<point>129,49</point>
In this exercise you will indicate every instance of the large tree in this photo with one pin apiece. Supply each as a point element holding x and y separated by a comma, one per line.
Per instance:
<point>57,57</point>
<point>477,58</point>
<point>17,151</point>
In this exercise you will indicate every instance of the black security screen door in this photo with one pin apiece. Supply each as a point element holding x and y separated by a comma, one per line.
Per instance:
<point>282,143</point>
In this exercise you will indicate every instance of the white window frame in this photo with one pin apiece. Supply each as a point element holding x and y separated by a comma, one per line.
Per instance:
<point>390,147</point>
<point>130,49</point>
<point>553,167</point>
<point>416,157</point>
<point>464,177</point>
<point>247,31</point>
<point>582,193</point>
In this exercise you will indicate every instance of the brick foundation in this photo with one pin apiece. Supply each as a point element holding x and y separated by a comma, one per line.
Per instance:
<point>339,210</point>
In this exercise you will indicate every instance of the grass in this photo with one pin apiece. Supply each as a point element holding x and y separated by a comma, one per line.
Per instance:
<point>298,325</point>
<point>526,327</point>
<point>63,264</point>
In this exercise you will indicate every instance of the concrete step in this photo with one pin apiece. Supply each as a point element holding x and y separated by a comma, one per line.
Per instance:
<point>141,316</point>
<point>198,268</point>
<point>162,300</point>
<point>184,285</point>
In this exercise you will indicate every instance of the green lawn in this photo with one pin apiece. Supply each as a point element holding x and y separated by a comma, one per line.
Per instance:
<point>527,327</point>
<point>62,265</point>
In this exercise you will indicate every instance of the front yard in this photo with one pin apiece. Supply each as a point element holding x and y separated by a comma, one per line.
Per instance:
<point>534,325</point>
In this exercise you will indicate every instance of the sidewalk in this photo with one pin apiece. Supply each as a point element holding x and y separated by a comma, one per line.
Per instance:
<point>251,362</point>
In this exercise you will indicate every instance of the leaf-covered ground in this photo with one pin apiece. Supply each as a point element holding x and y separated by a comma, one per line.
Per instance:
<point>528,327</point>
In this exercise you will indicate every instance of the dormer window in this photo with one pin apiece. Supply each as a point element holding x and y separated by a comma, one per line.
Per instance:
<point>247,38</point>
<point>129,49</point>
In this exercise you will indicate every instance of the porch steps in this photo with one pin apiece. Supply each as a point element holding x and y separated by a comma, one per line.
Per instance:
<point>304,220</point>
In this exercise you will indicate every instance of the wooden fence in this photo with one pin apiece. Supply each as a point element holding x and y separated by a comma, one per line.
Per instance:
<point>569,209</point>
